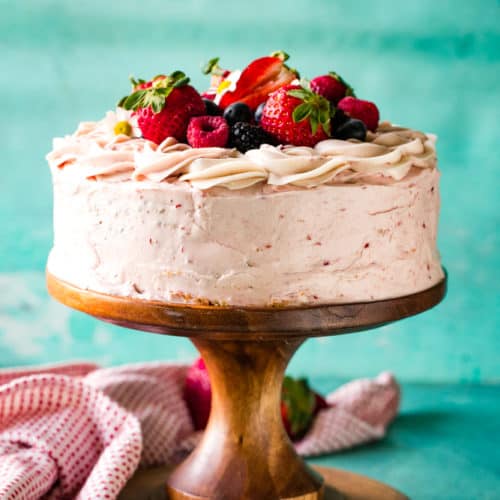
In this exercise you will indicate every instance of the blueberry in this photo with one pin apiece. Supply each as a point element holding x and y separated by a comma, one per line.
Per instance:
<point>339,118</point>
<point>351,129</point>
<point>212,108</point>
<point>237,112</point>
<point>258,112</point>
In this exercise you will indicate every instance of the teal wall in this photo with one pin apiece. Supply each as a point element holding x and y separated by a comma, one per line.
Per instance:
<point>433,65</point>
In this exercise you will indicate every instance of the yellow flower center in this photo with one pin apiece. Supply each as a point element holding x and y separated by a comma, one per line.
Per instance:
<point>223,86</point>
<point>124,128</point>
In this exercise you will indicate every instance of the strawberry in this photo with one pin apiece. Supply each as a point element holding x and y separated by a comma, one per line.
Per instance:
<point>198,394</point>
<point>261,77</point>
<point>295,115</point>
<point>165,108</point>
<point>331,87</point>
<point>299,403</point>
<point>299,406</point>
<point>141,84</point>
<point>365,111</point>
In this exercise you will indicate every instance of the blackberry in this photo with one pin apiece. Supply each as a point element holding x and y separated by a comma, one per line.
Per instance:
<point>244,136</point>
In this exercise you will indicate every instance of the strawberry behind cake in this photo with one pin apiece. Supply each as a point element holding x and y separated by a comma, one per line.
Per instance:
<point>266,190</point>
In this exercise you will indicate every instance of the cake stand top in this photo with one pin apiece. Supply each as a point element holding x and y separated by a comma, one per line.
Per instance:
<point>231,322</point>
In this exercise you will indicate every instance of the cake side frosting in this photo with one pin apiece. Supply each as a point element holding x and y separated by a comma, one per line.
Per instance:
<point>176,243</point>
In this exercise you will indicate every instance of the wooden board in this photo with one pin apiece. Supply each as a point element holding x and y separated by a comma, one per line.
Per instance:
<point>340,484</point>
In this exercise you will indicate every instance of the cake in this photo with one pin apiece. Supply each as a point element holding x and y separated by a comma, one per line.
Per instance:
<point>244,201</point>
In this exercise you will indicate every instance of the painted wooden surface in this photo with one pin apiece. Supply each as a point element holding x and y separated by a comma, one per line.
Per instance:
<point>431,65</point>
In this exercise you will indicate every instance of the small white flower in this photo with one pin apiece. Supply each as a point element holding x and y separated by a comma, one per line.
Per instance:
<point>121,121</point>
<point>227,85</point>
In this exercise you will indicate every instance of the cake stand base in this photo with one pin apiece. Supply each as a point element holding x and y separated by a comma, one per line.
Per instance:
<point>244,452</point>
<point>149,484</point>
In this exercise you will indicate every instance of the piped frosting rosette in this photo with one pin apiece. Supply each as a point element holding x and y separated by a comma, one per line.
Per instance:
<point>92,152</point>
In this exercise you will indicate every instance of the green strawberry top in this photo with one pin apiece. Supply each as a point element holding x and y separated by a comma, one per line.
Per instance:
<point>154,93</point>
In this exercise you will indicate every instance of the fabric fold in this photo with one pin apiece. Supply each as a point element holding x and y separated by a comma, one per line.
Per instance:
<point>79,431</point>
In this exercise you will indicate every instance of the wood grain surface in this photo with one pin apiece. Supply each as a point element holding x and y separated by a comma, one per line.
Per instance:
<point>245,452</point>
<point>198,321</point>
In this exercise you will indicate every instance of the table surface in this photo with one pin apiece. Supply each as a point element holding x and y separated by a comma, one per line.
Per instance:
<point>444,444</point>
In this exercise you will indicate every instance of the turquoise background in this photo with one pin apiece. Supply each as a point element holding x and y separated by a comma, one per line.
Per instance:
<point>432,65</point>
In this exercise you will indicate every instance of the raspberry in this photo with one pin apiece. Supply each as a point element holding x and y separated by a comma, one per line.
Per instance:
<point>207,131</point>
<point>245,136</point>
<point>365,111</point>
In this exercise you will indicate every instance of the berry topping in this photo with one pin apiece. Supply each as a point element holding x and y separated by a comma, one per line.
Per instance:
<point>295,115</point>
<point>365,111</point>
<point>237,112</point>
<point>261,77</point>
<point>165,108</point>
<point>331,87</point>
<point>258,112</point>
<point>244,136</point>
<point>207,131</point>
<point>211,108</point>
<point>351,129</point>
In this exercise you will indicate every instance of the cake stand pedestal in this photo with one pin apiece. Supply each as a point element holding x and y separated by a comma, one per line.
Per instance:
<point>245,452</point>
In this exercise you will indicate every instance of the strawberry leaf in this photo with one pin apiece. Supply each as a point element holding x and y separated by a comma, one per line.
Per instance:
<point>299,93</point>
<point>313,120</point>
<point>314,107</point>
<point>211,67</point>
<point>155,96</point>
<point>301,112</point>
<point>280,54</point>
<point>300,401</point>
<point>134,100</point>
<point>121,101</point>
<point>181,82</point>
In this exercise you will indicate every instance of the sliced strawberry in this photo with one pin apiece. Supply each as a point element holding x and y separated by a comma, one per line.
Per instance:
<point>260,77</point>
<point>260,94</point>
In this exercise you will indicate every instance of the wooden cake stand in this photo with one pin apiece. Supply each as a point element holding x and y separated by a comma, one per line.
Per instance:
<point>245,452</point>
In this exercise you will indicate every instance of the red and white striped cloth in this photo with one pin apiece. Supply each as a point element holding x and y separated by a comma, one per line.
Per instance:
<point>80,431</point>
